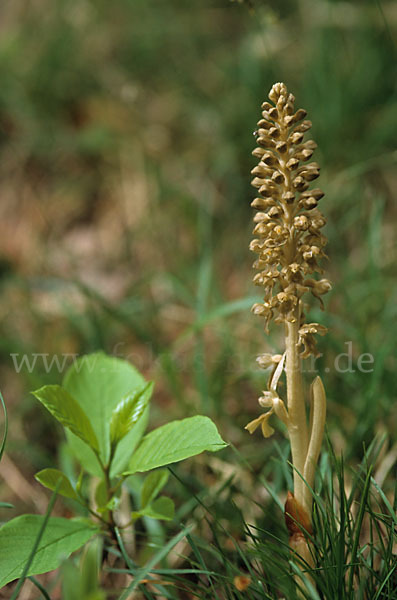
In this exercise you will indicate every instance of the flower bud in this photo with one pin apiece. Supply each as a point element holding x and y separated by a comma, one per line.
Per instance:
<point>262,203</point>
<point>258,152</point>
<point>316,193</point>
<point>268,188</point>
<point>260,216</point>
<point>261,170</point>
<point>303,127</point>
<point>301,222</point>
<point>275,212</point>
<point>277,90</point>
<point>296,137</point>
<point>269,159</point>
<point>277,177</point>
<point>266,400</point>
<point>308,203</point>
<point>300,184</point>
<point>288,197</point>
<point>292,164</point>
<point>281,147</point>
<point>274,132</point>
<point>268,360</point>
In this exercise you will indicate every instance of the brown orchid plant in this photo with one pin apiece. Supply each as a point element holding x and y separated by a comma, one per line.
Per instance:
<point>289,245</point>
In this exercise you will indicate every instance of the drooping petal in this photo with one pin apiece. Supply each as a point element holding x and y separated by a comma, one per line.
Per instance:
<point>253,425</point>
<point>263,422</point>
<point>266,429</point>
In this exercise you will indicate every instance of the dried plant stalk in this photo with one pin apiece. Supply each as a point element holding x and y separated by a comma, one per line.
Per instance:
<point>289,245</point>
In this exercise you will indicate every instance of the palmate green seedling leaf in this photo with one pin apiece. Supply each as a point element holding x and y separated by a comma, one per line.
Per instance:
<point>152,485</point>
<point>174,442</point>
<point>98,383</point>
<point>50,477</point>
<point>128,411</point>
<point>60,538</point>
<point>67,411</point>
<point>163,509</point>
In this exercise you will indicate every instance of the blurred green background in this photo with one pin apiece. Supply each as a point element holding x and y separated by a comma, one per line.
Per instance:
<point>125,139</point>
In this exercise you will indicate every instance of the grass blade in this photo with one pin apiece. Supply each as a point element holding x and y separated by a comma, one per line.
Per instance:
<point>40,587</point>
<point>3,442</point>
<point>144,571</point>
<point>36,544</point>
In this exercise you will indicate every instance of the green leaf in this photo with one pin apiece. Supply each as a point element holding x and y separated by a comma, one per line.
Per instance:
<point>98,383</point>
<point>112,505</point>
<point>128,412</point>
<point>50,477</point>
<point>163,508</point>
<point>36,544</point>
<point>175,441</point>
<point>101,495</point>
<point>127,445</point>
<point>102,501</point>
<point>79,482</point>
<point>67,411</point>
<point>60,538</point>
<point>153,484</point>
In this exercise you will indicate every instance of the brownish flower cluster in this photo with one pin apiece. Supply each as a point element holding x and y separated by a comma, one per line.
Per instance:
<point>288,242</point>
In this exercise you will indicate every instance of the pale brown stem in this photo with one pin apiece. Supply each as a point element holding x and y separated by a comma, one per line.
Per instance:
<point>297,428</point>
